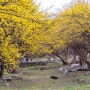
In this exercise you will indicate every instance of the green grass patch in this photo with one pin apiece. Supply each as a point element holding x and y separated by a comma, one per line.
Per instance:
<point>32,79</point>
<point>54,64</point>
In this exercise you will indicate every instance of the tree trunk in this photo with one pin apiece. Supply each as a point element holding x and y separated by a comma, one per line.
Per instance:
<point>83,58</point>
<point>64,63</point>
<point>80,62</point>
<point>82,51</point>
<point>88,64</point>
<point>1,69</point>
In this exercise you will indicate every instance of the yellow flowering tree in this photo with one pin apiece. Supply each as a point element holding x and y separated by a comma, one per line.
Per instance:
<point>72,26</point>
<point>20,31</point>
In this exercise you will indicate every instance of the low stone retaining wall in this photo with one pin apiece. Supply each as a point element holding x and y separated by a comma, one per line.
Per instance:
<point>45,68</point>
<point>32,64</point>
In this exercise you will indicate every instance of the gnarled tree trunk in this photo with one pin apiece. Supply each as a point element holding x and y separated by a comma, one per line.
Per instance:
<point>64,62</point>
<point>1,69</point>
<point>82,54</point>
